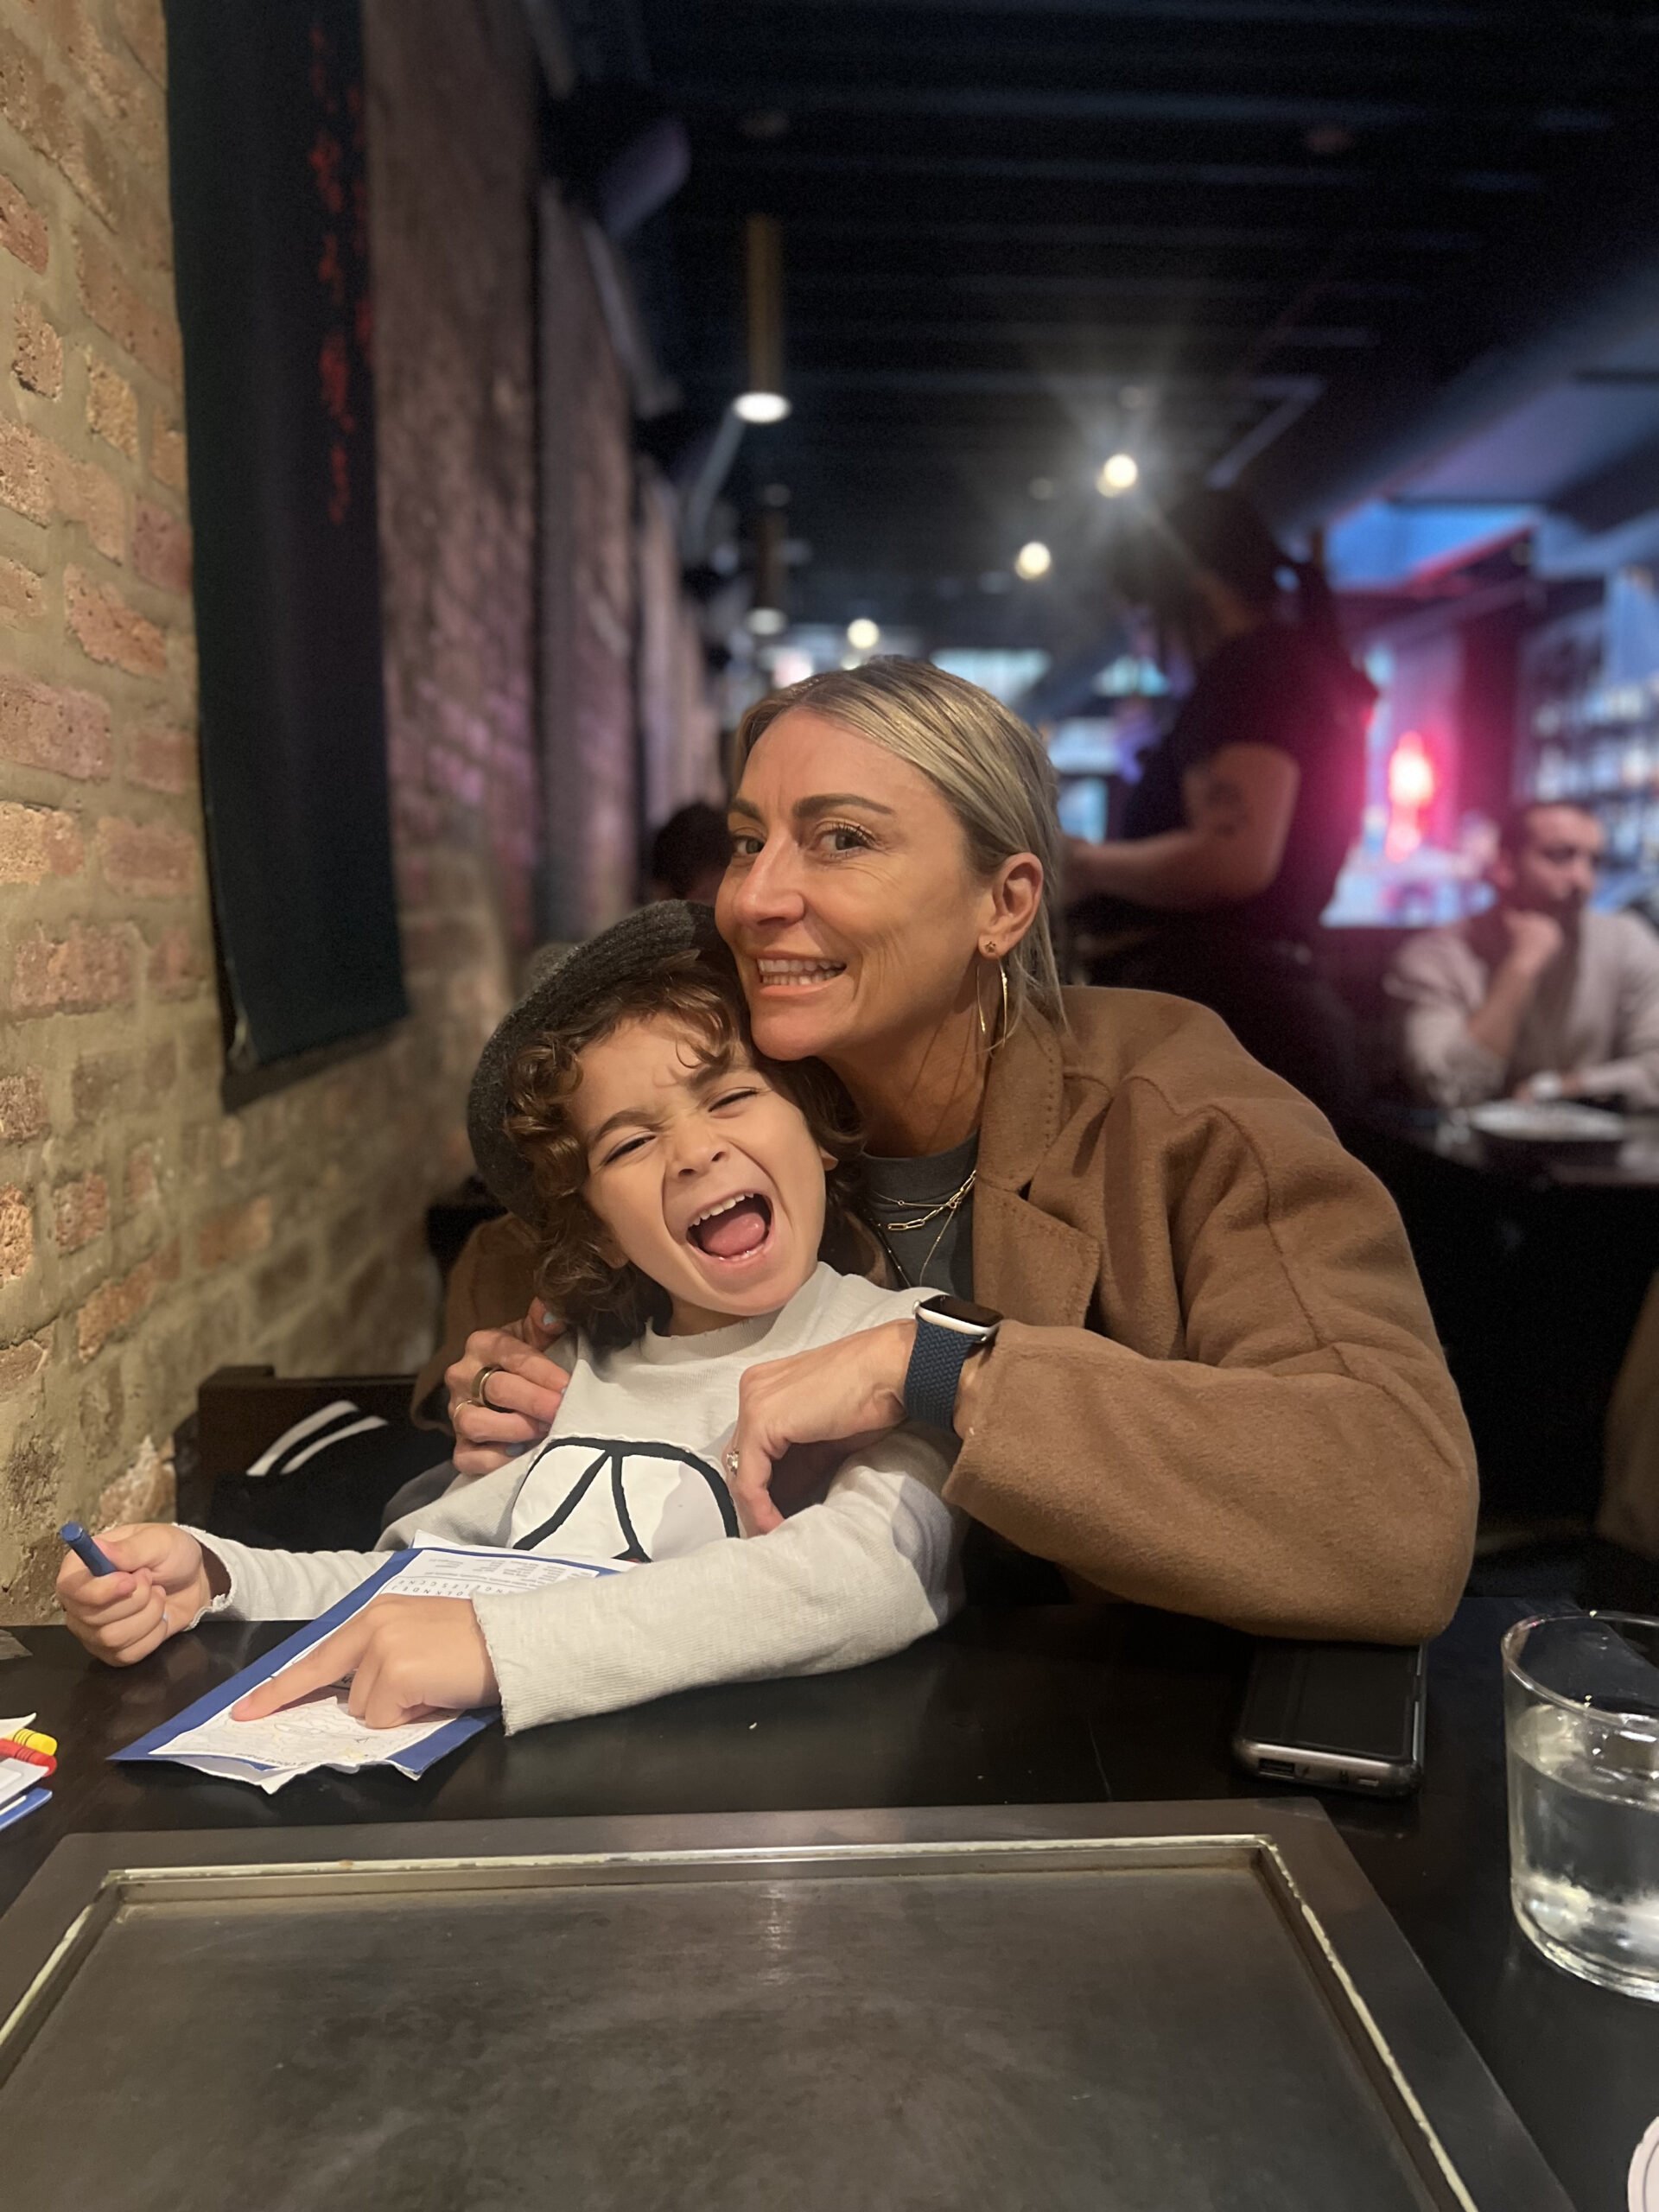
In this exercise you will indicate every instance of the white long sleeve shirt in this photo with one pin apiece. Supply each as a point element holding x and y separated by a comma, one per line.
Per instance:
<point>1595,1013</point>
<point>631,1468</point>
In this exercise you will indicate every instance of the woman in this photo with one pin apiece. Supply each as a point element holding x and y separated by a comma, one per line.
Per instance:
<point>1216,1388</point>
<point>1236,833</point>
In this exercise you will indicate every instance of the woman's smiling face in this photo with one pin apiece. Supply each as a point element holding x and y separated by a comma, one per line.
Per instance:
<point>850,901</point>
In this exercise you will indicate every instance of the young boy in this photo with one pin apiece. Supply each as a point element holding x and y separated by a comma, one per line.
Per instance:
<point>682,1187</point>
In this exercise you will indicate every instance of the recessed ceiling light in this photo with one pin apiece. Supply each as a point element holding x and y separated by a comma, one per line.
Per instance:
<point>1120,473</point>
<point>1034,561</point>
<point>864,635</point>
<point>760,407</point>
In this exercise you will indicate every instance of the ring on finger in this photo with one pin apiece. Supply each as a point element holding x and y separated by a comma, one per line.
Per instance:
<point>731,1464</point>
<point>480,1392</point>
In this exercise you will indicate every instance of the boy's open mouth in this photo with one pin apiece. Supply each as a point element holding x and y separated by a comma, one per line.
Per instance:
<point>733,1230</point>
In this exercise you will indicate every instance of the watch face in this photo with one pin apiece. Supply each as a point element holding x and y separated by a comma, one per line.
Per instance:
<point>960,1312</point>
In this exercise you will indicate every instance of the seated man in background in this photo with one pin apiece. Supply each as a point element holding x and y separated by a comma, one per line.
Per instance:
<point>1536,998</point>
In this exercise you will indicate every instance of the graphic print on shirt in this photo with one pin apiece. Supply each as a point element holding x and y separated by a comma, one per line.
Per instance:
<point>613,1497</point>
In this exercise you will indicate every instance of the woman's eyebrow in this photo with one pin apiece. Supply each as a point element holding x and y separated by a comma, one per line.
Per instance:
<point>820,803</point>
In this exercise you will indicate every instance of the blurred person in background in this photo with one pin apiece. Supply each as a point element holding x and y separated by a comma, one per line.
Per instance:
<point>1237,831</point>
<point>689,854</point>
<point>1536,998</point>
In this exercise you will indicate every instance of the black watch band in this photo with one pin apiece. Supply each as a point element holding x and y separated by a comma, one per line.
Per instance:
<point>948,1331</point>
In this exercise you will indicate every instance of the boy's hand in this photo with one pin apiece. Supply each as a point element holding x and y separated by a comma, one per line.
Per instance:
<point>847,1392</point>
<point>406,1658</point>
<point>161,1586</point>
<point>523,1398</point>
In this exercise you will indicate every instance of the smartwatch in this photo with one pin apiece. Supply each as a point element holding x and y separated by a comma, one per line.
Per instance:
<point>948,1331</point>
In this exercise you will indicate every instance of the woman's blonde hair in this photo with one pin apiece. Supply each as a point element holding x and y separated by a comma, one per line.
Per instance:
<point>991,769</point>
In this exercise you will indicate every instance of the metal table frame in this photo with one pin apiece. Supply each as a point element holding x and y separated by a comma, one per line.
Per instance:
<point>1464,2140</point>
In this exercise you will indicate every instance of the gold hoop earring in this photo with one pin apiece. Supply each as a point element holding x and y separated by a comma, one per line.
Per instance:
<point>990,1043</point>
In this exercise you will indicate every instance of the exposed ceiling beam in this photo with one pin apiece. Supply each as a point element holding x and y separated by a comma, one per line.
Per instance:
<point>1198,237</point>
<point>1118,104</point>
<point>1098,338</point>
<point>1177,288</point>
<point>1410,15</point>
<point>1389,15</point>
<point>1223,176</point>
<point>1093,385</point>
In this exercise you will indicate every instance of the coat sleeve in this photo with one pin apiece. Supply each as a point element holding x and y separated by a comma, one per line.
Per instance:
<point>1302,1466</point>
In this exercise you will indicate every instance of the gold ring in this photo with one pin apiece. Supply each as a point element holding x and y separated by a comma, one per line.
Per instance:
<point>731,1464</point>
<point>478,1393</point>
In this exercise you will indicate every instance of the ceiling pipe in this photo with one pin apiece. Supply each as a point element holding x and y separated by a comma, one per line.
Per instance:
<point>1501,379</point>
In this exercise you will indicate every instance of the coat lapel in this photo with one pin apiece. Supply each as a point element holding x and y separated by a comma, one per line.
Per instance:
<point>1026,1263</point>
<point>1030,1266</point>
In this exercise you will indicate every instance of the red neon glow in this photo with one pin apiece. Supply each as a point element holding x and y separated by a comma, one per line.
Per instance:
<point>1411,782</point>
<point>1411,775</point>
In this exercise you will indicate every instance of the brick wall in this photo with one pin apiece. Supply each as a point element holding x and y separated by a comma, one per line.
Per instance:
<point>145,1235</point>
<point>681,729</point>
<point>589,595</point>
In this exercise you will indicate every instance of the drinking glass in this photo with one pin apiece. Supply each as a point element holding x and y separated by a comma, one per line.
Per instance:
<point>1581,1727</point>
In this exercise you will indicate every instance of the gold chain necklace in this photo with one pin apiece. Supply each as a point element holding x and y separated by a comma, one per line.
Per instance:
<point>947,1206</point>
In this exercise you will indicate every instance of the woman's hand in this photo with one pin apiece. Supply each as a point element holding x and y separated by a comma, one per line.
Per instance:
<point>162,1584</point>
<point>524,1397</point>
<point>845,1392</point>
<point>406,1658</point>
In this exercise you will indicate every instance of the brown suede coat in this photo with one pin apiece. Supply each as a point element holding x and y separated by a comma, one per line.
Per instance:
<point>1217,1389</point>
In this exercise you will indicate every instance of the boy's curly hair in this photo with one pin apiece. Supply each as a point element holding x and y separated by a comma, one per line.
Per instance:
<point>611,1304</point>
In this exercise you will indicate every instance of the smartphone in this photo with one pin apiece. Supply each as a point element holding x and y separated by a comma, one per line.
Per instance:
<point>1336,1716</point>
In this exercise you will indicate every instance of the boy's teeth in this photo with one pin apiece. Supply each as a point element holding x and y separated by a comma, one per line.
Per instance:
<point>697,1220</point>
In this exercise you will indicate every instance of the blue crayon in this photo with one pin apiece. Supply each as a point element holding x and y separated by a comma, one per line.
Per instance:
<point>86,1550</point>
<point>18,1809</point>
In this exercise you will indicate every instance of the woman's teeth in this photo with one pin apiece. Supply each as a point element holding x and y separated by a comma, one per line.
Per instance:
<point>799,971</point>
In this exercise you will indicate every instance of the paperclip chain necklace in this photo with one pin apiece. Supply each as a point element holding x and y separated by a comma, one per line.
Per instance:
<point>949,1207</point>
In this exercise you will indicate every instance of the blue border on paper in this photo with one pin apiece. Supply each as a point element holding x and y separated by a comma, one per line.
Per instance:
<point>413,1762</point>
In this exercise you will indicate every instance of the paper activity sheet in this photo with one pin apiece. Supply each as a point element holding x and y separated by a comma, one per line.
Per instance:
<point>321,1731</point>
<point>16,1776</point>
<point>436,1569</point>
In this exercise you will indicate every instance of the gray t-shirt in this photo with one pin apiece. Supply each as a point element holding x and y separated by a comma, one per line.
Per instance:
<point>939,1255</point>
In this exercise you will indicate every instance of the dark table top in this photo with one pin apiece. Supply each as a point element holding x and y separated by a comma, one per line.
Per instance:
<point>1053,1705</point>
<point>1450,1137</point>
